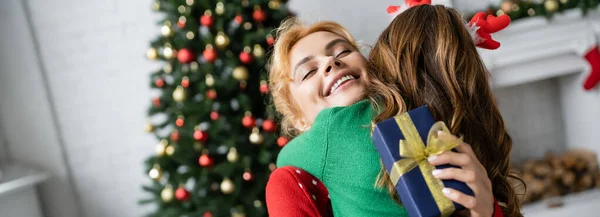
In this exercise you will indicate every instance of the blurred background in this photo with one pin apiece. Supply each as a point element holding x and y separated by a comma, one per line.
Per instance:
<point>74,98</point>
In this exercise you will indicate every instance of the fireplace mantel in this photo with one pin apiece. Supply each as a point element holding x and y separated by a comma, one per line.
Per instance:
<point>538,48</point>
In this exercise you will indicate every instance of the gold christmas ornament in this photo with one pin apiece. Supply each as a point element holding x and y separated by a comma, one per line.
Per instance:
<point>233,155</point>
<point>155,173</point>
<point>152,53</point>
<point>149,127</point>
<point>168,53</point>
<point>227,186</point>
<point>257,203</point>
<point>515,7</point>
<point>181,9</point>
<point>240,73</point>
<point>247,25</point>
<point>194,66</point>
<point>274,4</point>
<point>170,150</point>
<point>222,40</point>
<point>190,35</point>
<point>220,8</point>
<point>551,5</point>
<point>210,81</point>
<point>506,6</point>
<point>258,51</point>
<point>179,95</point>
<point>238,214</point>
<point>156,6</point>
<point>531,12</point>
<point>197,146</point>
<point>161,146</point>
<point>168,68</point>
<point>167,194</point>
<point>166,31</point>
<point>255,137</point>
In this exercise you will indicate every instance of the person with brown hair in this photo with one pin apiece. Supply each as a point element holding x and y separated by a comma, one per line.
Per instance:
<point>426,56</point>
<point>328,96</point>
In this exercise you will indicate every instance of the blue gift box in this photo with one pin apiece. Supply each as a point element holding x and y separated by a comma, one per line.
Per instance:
<point>414,192</point>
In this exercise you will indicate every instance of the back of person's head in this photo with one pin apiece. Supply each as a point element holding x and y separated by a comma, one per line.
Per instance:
<point>428,57</point>
<point>288,34</point>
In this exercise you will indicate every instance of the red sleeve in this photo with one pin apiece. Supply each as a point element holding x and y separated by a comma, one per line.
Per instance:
<point>292,192</point>
<point>497,209</point>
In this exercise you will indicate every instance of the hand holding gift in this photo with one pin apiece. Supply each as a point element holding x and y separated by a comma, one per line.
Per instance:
<point>471,173</point>
<point>431,179</point>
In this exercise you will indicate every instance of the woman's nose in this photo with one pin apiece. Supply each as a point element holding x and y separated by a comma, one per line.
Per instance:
<point>333,64</point>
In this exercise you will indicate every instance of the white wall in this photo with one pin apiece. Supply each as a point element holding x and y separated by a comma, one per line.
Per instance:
<point>27,120</point>
<point>80,112</point>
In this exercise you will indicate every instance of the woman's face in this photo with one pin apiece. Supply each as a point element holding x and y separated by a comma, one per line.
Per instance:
<point>326,71</point>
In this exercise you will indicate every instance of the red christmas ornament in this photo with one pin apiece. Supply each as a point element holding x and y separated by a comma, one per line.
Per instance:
<point>269,126</point>
<point>181,23</point>
<point>185,83</point>
<point>175,136</point>
<point>264,88</point>
<point>248,121</point>
<point>207,214</point>
<point>282,141</point>
<point>159,82</point>
<point>214,115</point>
<point>259,15</point>
<point>179,122</point>
<point>181,194</point>
<point>156,102</point>
<point>245,57</point>
<point>248,176</point>
<point>185,56</point>
<point>210,55</point>
<point>206,20</point>
<point>270,41</point>
<point>200,136</point>
<point>205,160</point>
<point>238,19</point>
<point>211,94</point>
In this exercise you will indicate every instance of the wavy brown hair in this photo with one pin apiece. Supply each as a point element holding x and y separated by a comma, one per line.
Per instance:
<point>426,56</point>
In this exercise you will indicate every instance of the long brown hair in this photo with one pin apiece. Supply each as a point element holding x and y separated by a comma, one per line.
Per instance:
<point>426,56</point>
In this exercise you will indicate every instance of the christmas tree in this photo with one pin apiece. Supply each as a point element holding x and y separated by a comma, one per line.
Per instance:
<point>217,139</point>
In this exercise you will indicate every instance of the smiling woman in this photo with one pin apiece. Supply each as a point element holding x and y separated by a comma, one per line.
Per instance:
<point>327,72</point>
<point>318,59</point>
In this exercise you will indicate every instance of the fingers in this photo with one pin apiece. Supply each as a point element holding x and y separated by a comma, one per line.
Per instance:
<point>463,148</point>
<point>457,159</point>
<point>467,201</point>
<point>466,176</point>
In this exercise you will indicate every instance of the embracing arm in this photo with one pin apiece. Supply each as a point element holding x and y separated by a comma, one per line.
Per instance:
<point>292,192</point>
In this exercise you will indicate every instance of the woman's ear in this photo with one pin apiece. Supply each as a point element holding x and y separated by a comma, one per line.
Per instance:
<point>301,125</point>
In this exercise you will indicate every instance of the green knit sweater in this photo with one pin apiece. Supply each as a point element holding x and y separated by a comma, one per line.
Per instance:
<point>338,150</point>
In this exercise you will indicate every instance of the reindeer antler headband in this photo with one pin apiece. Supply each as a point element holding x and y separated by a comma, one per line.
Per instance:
<point>480,27</point>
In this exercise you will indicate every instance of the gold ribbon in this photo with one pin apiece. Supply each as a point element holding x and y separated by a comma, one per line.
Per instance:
<point>414,154</point>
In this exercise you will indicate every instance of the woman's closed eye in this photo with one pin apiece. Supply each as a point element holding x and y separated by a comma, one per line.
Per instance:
<point>308,74</point>
<point>343,53</point>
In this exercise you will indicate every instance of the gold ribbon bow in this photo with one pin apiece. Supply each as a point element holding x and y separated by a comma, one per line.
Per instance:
<point>414,154</point>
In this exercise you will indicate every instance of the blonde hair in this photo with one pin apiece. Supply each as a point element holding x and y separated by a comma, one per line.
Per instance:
<point>287,35</point>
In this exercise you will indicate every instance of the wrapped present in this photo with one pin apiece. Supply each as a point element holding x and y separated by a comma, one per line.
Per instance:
<point>404,143</point>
